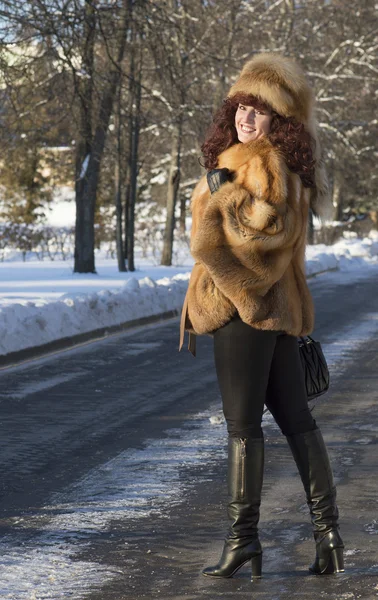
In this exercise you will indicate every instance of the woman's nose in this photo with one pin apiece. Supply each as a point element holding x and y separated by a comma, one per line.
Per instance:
<point>251,117</point>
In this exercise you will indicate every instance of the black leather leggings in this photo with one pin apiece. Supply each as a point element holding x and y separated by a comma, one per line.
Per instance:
<point>257,367</point>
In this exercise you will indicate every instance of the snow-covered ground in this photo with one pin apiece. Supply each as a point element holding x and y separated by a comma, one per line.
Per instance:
<point>41,302</point>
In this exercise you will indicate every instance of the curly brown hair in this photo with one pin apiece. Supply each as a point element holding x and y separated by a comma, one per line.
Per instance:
<point>286,133</point>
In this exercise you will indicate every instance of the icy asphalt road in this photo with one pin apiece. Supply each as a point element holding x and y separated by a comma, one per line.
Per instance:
<point>112,467</point>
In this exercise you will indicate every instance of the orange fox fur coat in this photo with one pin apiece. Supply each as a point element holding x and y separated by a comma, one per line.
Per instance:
<point>248,240</point>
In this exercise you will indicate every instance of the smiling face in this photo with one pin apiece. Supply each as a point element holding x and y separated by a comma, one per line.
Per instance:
<point>252,123</point>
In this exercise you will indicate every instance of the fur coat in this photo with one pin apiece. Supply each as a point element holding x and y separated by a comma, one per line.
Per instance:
<point>248,240</point>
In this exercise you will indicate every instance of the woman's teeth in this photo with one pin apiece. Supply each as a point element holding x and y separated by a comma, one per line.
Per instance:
<point>246,129</point>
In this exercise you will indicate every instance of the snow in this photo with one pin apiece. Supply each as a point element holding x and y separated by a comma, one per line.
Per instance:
<point>63,211</point>
<point>347,253</point>
<point>84,166</point>
<point>41,302</point>
<point>55,314</point>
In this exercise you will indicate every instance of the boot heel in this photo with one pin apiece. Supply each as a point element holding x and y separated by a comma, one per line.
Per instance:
<point>337,560</point>
<point>256,563</point>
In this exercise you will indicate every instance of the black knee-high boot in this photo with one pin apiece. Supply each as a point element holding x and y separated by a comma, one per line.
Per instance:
<point>312,459</point>
<point>245,476</point>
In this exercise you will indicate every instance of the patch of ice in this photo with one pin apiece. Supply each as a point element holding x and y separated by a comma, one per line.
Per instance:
<point>48,572</point>
<point>136,484</point>
<point>217,419</point>
<point>340,351</point>
<point>352,552</point>
<point>37,386</point>
<point>367,427</point>
<point>372,527</point>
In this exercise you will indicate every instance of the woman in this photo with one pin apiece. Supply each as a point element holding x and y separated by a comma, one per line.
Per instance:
<point>248,290</point>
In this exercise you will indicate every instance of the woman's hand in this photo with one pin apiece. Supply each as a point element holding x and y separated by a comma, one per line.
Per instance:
<point>217,177</point>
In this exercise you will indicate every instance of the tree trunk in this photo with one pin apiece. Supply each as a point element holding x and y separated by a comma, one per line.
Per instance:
<point>84,235</point>
<point>85,210</point>
<point>133,184</point>
<point>118,187</point>
<point>224,62</point>
<point>127,212</point>
<point>119,214</point>
<point>135,91</point>
<point>310,230</point>
<point>337,198</point>
<point>182,226</point>
<point>88,168</point>
<point>173,187</point>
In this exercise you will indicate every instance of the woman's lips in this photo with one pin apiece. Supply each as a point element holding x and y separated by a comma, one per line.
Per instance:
<point>245,129</point>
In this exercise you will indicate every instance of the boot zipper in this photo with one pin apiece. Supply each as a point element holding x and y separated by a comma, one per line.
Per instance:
<point>243,454</point>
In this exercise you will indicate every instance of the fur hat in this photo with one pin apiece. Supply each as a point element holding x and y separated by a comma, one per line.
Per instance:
<point>281,83</point>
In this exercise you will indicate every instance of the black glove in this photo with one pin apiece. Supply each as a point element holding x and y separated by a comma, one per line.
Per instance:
<point>217,177</point>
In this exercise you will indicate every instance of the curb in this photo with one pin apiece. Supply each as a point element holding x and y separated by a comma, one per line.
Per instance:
<point>15,358</point>
<point>332,269</point>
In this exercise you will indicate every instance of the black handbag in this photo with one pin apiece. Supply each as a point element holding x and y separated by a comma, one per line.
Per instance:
<point>314,366</point>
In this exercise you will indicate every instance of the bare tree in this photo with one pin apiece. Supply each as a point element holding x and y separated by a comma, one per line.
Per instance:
<point>92,137</point>
<point>135,96</point>
<point>118,182</point>
<point>88,40</point>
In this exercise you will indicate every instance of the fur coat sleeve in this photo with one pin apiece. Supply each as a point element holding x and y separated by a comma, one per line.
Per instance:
<point>245,234</point>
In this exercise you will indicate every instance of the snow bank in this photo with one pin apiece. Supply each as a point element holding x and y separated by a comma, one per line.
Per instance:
<point>55,314</point>
<point>30,325</point>
<point>348,253</point>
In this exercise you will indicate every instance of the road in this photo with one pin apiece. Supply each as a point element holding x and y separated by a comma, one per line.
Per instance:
<point>112,467</point>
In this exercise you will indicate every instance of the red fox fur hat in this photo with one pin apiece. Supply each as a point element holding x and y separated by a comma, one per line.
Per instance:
<point>280,82</point>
